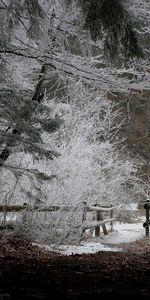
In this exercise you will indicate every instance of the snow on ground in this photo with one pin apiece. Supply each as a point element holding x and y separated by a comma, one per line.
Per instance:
<point>84,247</point>
<point>123,233</point>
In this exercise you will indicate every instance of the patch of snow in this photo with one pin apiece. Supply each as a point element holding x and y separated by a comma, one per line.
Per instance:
<point>84,247</point>
<point>123,233</point>
<point>9,217</point>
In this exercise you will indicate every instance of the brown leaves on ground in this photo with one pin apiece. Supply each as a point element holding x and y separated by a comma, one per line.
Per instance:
<point>26,272</point>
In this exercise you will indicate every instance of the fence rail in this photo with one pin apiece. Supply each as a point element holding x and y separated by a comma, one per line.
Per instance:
<point>95,224</point>
<point>17,208</point>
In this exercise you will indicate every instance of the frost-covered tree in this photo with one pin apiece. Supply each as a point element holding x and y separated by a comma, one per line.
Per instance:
<point>92,166</point>
<point>52,72</point>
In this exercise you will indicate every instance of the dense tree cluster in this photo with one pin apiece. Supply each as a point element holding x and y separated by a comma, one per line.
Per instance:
<point>59,133</point>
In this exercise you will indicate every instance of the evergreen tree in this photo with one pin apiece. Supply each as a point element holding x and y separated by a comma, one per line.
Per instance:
<point>24,118</point>
<point>23,115</point>
<point>111,19</point>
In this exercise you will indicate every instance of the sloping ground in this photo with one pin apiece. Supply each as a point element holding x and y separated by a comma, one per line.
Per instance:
<point>28,273</point>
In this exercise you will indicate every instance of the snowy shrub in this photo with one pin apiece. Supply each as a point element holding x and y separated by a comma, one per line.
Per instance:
<point>92,166</point>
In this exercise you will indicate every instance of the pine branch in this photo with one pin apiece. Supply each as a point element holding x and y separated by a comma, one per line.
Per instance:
<point>45,60</point>
<point>37,96</point>
<point>7,150</point>
<point>111,17</point>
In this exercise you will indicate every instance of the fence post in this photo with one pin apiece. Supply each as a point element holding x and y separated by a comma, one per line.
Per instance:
<point>24,214</point>
<point>84,215</point>
<point>147,220</point>
<point>111,216</point>
<point>100,218</point>
<point>84,211</point>
<point>147,223</point>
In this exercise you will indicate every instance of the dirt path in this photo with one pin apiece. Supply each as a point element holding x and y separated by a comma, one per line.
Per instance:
<point>27,273</point>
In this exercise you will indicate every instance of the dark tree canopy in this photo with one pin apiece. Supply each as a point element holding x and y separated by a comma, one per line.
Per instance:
<point>111,19</point>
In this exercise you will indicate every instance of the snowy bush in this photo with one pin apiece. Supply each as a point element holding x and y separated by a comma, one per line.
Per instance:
<point>92,166</point>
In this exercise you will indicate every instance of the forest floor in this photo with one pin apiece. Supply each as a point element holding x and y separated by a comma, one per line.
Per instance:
<point>27,272</point>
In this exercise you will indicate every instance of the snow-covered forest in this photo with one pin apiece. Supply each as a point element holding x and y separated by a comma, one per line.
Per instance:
<point>71,71</point>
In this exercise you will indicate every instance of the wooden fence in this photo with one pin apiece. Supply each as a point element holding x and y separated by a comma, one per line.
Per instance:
<point>147,223</point>
<point>99,220</point>
<point>86,224</point>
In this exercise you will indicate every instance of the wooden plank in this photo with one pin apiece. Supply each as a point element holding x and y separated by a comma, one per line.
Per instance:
<point>97,228</point>
<point>98,208</point>
<point>111,216</point>
<point>6,226</point>
<point>11,208</point>
<point>103,225</point>
<point>84,213</point>
<point>100,218</point>
<point>17,208</point>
